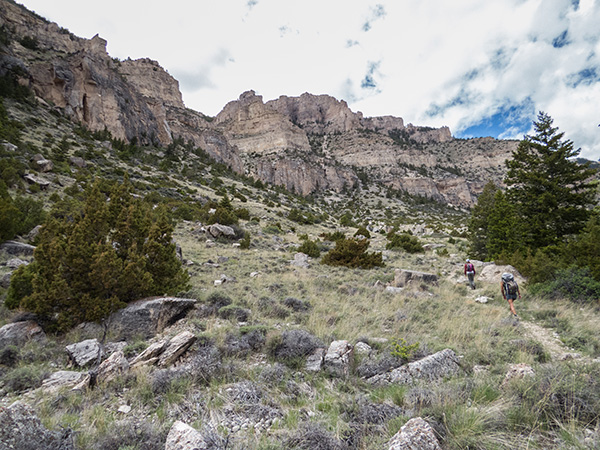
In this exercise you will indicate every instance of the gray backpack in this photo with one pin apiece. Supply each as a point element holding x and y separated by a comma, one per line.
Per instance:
<point>510,285</point>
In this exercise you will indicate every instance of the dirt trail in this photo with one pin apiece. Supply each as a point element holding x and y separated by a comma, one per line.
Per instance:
<point>558,351</point>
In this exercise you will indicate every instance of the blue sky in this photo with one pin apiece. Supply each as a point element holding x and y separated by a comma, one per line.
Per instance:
<point>481,68</point>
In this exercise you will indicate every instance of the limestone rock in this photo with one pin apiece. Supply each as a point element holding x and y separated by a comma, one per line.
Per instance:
<point>19,333</point>
<point>21,429</point>
<point>314,362</point>
<point>433,367</point>
<point>300,260</point>
<point>17,248</point>
<point>85,352</point>
<point>217,230</point>
<point>112,367</point>
<point>33,179</point>
<point>15,263</point>
<point>63,379</point>
<point>148,317</point>
<point>339,358</point>
<point>404,278</point>
<point>183,437</point>
<point>492,273</point>
<point>416,434</point>
<point>176,347</point>
<point>150,355</point>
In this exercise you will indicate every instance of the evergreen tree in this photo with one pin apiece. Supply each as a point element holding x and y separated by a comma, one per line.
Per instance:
<point>479,222</point>
<point>550,190</point>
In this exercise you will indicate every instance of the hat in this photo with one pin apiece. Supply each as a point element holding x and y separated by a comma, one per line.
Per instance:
<point>468,260</point>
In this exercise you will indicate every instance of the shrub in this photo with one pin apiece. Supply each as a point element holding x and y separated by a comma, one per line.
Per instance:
<point>333,237</point>
<point>410,244</point>
<point>310,248</point>
<point>403,350</point>
<point>352,253</point>
<point>574,283</point>
<point>362,231</point>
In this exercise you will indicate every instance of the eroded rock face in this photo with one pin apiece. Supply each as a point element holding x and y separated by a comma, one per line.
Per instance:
<point>146,318</point>
<point>21,429</point>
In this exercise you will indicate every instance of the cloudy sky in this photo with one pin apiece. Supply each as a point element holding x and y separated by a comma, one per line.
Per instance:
<point>481,68</point>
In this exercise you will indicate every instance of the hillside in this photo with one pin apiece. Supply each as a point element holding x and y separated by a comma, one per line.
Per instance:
<point>268,348</point>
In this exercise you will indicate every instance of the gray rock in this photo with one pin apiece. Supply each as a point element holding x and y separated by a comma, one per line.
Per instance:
<point>17,248</point>
<point>15,263</point>
<point>9,147</point>
<point>146,318</point>
<point>416,434</point>
<point>85,352</point>
<point>112,367</point>
<point>150,355</point>
<point>314,362</point>
<point>19,333</point>
<point>5,280</point>
<point>433,367</point>
<point>362,349</point>
<point>300,260</point>
<point>32,179</point>
<point>45,165</point>
<point>339,358</point>
<point>63,379</point>
<point>176,347</point>
<point>77,161</point>
<point>217,230</point>
<point>405,278</point>
<point>183,437</point>
<point>21,429</point>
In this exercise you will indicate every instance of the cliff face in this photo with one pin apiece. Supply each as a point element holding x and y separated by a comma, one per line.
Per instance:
<point>308,143</point>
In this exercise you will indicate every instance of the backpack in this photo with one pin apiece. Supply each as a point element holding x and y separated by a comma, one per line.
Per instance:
<point>470,268</point>
<point>510,285</point>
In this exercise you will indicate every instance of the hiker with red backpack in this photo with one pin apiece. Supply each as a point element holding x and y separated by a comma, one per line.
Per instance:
<point>510,290</point>
<point>470,273</point>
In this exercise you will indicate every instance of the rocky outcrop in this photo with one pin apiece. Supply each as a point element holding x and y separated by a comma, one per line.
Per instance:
<point>19,333</point>
<point>146,318</point>
<point>21,429</point>
<point>17,248</point>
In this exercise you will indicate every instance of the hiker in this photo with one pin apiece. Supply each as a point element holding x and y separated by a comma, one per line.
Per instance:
<point>510,290</point>
<point>470,273</point>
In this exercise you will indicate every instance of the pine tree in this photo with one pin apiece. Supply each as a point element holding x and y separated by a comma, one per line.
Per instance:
<point>479,223</point>
<point>550,189</point>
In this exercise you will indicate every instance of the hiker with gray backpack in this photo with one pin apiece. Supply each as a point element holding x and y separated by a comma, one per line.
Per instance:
<point>510,290</point>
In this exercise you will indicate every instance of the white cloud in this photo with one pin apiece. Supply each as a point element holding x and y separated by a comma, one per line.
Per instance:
<point>469,58</point>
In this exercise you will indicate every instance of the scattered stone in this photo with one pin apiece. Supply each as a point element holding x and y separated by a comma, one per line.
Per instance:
<point>176,347</point>
<point>63,379</point>
<point>217,230</point>
<point>183,437</point>
<point>416,434</point>
<point>314,362</point>
<point>433,367</point>
<point>406,278</point>
<point>300,260</point>
<point>124,409</point>
<point>339,358</point>
<point>85,352</point>
<point>148,317</point>
<point>9,147</point>
<point>254,274</point>
<point>518,372</point>
<point>19,333</point>
<point>77,161</point>
<point>482,299</point>
<point>21,429</point>
<point>362,349</point>
<point>17,248</point>
<point>393,289</point>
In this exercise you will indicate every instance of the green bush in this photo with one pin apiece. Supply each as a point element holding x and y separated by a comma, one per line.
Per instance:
<point>574,283</point>
<point>310,248</point>
<point>352,253</point>
<point>362,231</point>
<point>408,243</point>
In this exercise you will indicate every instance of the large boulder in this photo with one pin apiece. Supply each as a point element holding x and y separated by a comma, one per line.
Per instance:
<point>19,333</point>
<point>183,437</point>
<point>339,358</point>
<point>112,367</point>
<point>176,347</point>
<point>217,230</point>
<point>433,367</point>
<point>416,434</point>
<point>146,318</point>
<point>85,352</point>
<point>492,273</point>
<point>412,278</point>
<point>17,248</point>
<point>21,429</point>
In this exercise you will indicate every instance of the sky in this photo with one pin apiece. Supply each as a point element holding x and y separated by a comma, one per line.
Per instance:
<point>482,68</point>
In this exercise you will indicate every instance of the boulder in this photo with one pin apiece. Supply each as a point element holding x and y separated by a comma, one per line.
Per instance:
<point>63,379</point>
<point>217,230</point>
<point>32,179</point>
<point>85,352</point>
<point>5,280</point>
<point>339,358</point>
<point>146,318</point>
<point>492,273</point>
<point>15,263</point>
<point>112,367</point>
<point>314,362</point>
<point>150,355</point>
<point>300,260</point>
<point>77,161</point>
<point>44,165</point>
<point>433,367</point>
<point>416,434</point>
<point>176,347</point>
<point>183,437</point>
<point>17,248</point>
<point>406,278</point>
<point>19,333</point>
<point>21,429</point>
